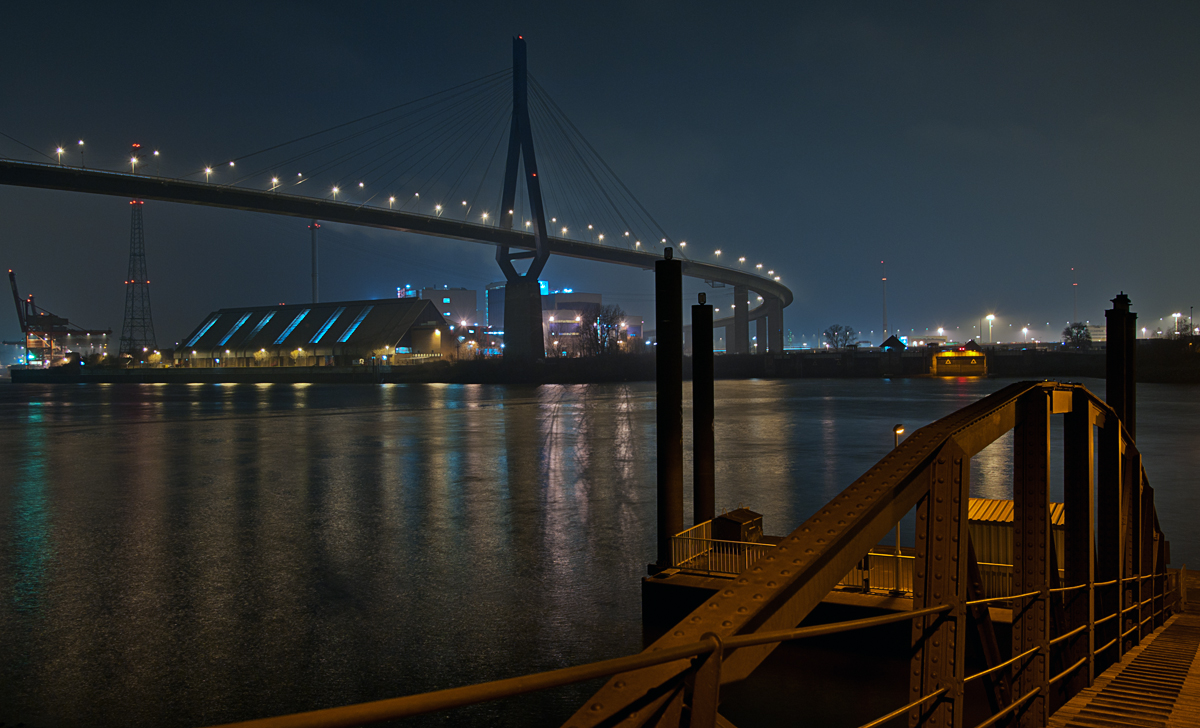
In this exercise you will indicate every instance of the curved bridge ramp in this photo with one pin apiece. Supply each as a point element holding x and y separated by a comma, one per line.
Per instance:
<point>1156,685</point>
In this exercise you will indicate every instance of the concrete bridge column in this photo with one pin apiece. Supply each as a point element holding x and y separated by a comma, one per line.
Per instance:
<point>523,337</point>
<point>760,335</point>
<point>774,321</point>
<point>739,342</point>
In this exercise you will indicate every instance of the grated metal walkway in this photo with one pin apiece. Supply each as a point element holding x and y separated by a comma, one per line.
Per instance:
<point>1156,685</point>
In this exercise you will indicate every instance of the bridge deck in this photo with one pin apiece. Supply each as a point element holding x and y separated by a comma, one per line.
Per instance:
<point>1156,684</point>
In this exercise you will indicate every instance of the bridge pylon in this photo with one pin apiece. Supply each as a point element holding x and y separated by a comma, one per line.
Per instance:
<point>522,294</point>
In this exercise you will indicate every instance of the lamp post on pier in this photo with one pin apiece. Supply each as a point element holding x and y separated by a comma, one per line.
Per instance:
<point>897,431</point>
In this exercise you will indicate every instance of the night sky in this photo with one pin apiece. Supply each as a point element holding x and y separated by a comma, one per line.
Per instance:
<point>981,149</point>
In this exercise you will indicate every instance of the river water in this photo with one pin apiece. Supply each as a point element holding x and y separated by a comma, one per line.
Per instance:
<point>182,555</point>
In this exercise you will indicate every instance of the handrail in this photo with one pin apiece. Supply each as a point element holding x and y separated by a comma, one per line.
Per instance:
<point>1069,670</point>
<point>973,602</point>
<point>1002,665</point>
<point>1068,635</point>
<point>1110,643</point>
<point>902,711</point>
<point>779,585</point>
<point>412,705</point>
<point>783,635</point>
<point>1061,589</point>
<point>1015,704</point>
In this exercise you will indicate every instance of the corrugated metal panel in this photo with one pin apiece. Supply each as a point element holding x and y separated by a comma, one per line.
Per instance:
<point>993,510</point>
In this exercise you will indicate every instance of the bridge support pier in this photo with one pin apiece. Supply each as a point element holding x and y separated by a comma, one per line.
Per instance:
<point>739,342</point>
<point>774,324</point>
<point>523,318</point>
<point>523,337</point>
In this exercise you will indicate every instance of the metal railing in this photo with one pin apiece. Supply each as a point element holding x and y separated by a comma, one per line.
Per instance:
<point>705,657</point>
<point>726,638</point>
<point>695,550</point>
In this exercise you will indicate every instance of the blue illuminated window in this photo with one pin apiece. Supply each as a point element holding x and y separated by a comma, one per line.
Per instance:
<point>233,330</point>
<point>316,339</point>
<point>342,339</point>
<point>270,315</point>
<point>203,331</point>
<point>292,326</point>
<point>445,300</point>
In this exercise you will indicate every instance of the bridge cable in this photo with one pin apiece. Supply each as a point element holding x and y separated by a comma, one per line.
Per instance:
<point>370,144</point>
<point>487,77</point>
<point>457,146</point>
<point>572,187</point>
<point>596,154</point>
<point>424,154</point>
<point>18,141</point>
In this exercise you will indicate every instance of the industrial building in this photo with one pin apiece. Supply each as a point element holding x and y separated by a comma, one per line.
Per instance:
<point>457,305</point>
<point>346,333</point>
<point>49,339</point>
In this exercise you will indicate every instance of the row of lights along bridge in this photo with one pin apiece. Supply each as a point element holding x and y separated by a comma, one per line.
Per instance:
<point>438,209</point>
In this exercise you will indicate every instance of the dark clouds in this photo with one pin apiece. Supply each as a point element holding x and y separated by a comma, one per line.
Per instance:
<point>982,149</point>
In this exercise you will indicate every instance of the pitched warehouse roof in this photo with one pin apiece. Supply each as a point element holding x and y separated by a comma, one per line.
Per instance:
<point>303,325</point>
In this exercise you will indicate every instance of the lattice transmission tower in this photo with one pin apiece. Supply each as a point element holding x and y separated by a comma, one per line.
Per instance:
<point>137,333</point>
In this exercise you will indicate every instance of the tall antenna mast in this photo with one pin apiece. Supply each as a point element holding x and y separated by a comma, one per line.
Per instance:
<point>137,333</point>
<point>885,328</point>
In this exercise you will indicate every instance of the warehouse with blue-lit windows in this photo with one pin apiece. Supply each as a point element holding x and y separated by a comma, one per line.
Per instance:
<point>346,333</point>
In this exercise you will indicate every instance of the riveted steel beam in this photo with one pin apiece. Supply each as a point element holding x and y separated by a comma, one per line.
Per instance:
<point>1032,552</point>
<point>999,685</point>
<point>1131,500</point>
<point>940,577</point>
<point>1080,534</point>
<point>782,587</point>
<point>1109,535</point>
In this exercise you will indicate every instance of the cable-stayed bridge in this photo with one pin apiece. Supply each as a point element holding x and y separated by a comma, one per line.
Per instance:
<point>457,164</point>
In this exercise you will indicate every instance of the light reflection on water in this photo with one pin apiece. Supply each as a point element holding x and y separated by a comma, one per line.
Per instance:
<point>184,555</point>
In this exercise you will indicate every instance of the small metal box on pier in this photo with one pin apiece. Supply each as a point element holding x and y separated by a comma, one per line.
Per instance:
<point>741,524</point>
